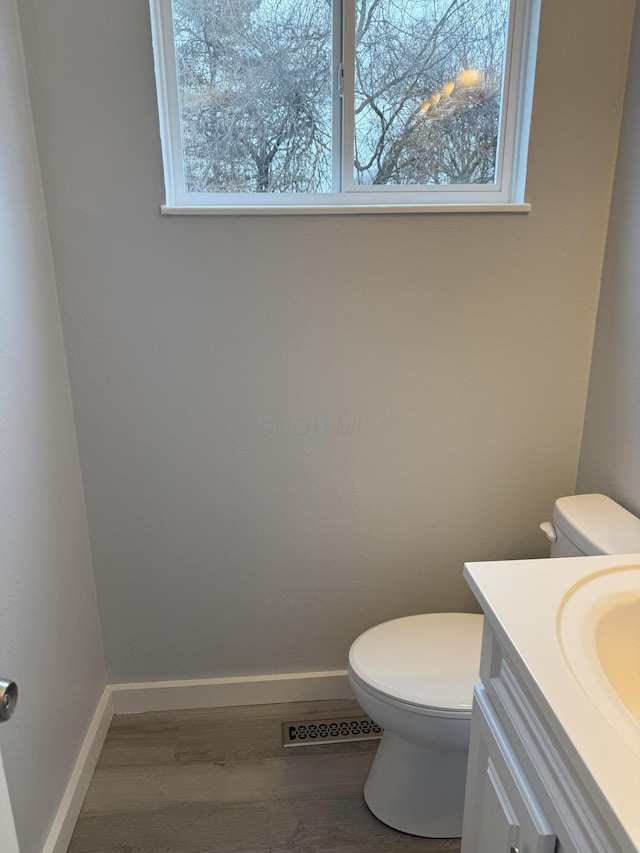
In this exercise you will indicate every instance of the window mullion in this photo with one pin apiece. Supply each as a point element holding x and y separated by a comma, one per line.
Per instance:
<point>348,20</point>
<point>336,97</point>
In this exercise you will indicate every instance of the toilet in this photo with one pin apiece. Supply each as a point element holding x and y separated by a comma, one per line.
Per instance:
<point>415,676</point>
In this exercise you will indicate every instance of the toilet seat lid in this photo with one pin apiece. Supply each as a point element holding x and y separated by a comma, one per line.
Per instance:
<point>431,660</point>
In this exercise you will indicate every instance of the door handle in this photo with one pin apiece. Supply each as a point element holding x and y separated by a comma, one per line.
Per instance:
<point>8,699</point>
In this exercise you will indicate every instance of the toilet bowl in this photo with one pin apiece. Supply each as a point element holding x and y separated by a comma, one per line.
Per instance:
<point>415,676</point>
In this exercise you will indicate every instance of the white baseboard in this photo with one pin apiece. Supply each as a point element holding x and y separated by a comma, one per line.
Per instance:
<point>218,692</point>
<point>71,803</point>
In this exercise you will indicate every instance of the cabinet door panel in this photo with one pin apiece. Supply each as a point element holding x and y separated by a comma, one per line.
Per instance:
<point>501,811</point>
<point>498,822</point>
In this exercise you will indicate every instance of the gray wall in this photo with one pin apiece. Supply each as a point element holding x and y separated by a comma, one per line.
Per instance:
<point>294,427</point>
<point>49,630</point>
<point>610,456</point>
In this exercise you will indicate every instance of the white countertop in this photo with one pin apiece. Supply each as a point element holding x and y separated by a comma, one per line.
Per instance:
<point>522,600</point>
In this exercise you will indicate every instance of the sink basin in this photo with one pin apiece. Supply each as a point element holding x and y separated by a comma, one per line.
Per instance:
<point>618,645</point>
<point>599,630</point>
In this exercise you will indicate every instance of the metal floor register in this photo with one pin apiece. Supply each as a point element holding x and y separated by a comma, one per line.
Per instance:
<point>310,732</point>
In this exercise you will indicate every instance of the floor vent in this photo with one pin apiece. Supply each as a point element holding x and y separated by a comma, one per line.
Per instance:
<point>310,732</point>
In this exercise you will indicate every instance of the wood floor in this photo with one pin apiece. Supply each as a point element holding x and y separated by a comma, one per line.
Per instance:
<point>219,781</point>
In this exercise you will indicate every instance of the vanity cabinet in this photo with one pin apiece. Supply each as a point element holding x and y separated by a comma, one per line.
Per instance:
<point>526,790</point>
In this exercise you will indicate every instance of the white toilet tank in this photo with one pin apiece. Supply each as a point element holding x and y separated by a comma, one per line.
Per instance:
<point>591,524</point>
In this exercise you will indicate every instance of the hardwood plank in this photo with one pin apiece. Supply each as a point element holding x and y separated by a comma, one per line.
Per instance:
<point>342,824</point>
<point>157,787</point>
<point>324,826</point>
<point>195,828</point>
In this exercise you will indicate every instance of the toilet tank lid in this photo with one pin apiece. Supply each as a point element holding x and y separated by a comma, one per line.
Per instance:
<point>597,524</point>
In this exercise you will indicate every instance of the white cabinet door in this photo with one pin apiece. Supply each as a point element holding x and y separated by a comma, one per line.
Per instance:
<point>501,812</point>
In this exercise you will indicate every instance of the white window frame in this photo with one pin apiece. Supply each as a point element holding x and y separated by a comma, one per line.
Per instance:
<point>507,194</point>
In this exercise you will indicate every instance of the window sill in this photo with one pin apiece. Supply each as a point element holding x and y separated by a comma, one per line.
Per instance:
<point>295,209</point>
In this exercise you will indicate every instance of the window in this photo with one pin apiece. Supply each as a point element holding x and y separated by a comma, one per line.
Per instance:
<point>283,105</point>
